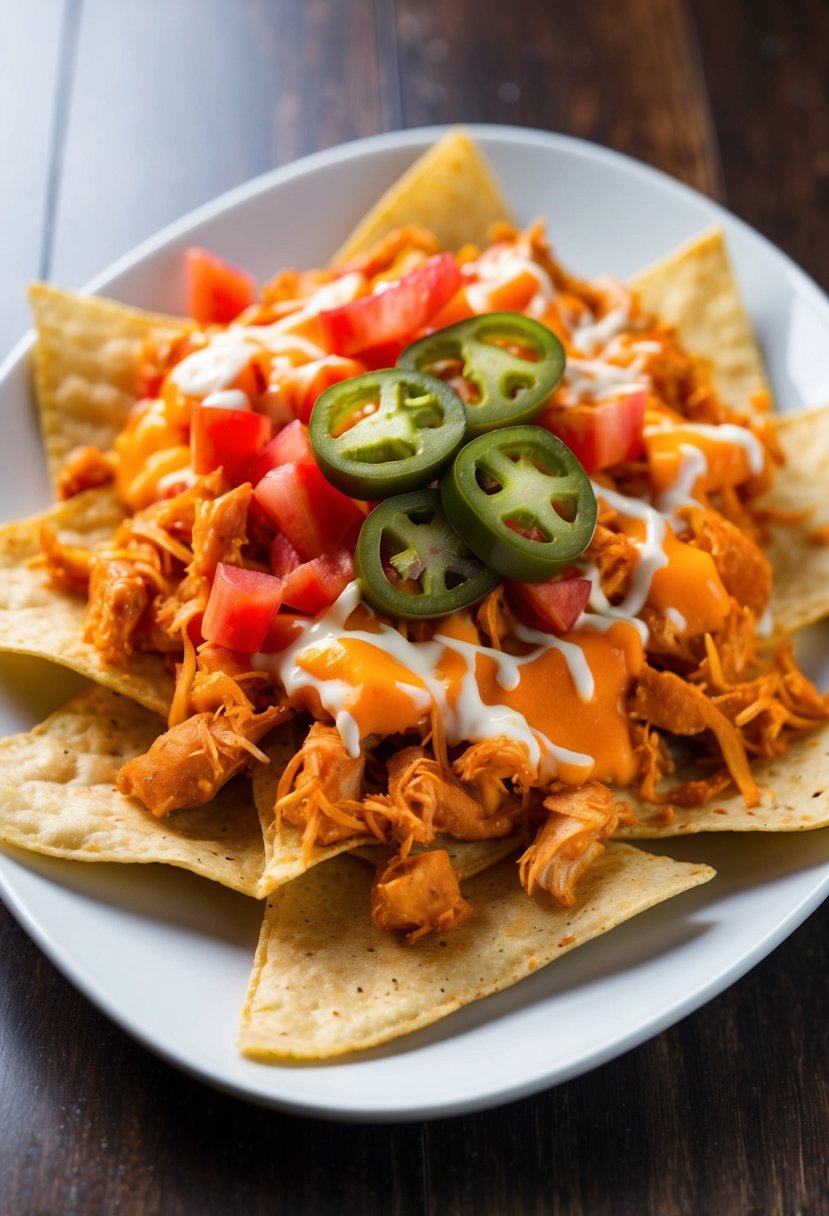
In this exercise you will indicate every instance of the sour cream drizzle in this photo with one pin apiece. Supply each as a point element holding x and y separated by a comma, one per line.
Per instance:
<point>725,432</point>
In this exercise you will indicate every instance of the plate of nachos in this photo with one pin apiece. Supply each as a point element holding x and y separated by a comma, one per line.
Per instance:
<point>403,599</point>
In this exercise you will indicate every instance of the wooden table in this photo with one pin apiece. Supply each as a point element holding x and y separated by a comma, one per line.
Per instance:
<point>116,119</point>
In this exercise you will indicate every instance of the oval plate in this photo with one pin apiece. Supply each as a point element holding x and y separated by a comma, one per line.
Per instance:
<point>167,955</point>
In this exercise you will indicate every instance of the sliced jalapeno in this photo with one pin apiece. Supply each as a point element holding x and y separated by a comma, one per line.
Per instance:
<point>386,432</point>
<point>411,562</point>
<point>507,365</point>
<point>521,501</point>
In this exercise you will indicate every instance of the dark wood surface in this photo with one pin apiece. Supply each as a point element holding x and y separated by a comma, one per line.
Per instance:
<point>117,118</point>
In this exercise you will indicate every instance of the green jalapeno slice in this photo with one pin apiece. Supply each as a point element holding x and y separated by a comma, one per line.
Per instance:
<point>386,432</point>
<point>505,364</point>
<point>521,501</point>
<point>412,563</point>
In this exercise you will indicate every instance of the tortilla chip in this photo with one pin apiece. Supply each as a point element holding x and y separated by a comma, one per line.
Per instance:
<point>448,190</point>
<point>800,594</point>
<point>58,796</point>
<point>38,618</point>
<point>326,981</point>
<point>794,793</point>
<point>694,290</point>
<point>86,366</point>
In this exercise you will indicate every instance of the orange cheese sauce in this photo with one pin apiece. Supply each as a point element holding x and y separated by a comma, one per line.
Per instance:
<point>727,464</point>
<point>548,698</point>
<point>379,689</point>
<point>689,584</point>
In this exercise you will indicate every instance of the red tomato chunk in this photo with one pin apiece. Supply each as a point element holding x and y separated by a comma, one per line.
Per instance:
<point>216,291</point>
<point>396,312</point>
<point>240,608</point>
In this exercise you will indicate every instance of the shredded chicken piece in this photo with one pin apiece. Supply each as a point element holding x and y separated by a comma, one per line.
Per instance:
<point>386,252</point>
<point>493,617</point>
<point>425,798</point>
<point>69,566</point>
<point>418,895</point>
<point>218,535</point>
<point>654,760</point>
<point>118,596</point>
<point>86,468</point>
<point>488,765</point>
<point>615,555</point>
<point>220,531</point>
<point>670,703</point>
<point>745,570</point>
<point>321,788</point>
<point>580,819</point>
<point>188,764</point>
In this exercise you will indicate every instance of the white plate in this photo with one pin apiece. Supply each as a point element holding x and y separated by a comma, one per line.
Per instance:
<point>167,955</point>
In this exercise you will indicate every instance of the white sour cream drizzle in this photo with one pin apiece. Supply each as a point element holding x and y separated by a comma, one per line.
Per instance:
<point>490,273</point>
<point>725,432</point>
<point>692,466</point>
<point>591,336</point>
<point>214,367</point>
<point>470,718</point>
<point>652,557</point>
<point>591,379</point>
<point>228,399</point>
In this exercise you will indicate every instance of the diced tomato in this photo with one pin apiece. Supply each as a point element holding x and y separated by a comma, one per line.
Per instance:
<point>227,437</point>
<point>554,606</point>
<point>386,355</point>
<point>315,517</point>
<point>284,557</point>
<point>240,607</point>
<point>602,434</point>
<point>216,291</point>
<point>291,445</point>
<point>313,586</point>
<point>396,312</point>
<point>285,628</point>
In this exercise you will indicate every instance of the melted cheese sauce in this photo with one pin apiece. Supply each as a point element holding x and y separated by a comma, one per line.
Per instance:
<point>559,699</point>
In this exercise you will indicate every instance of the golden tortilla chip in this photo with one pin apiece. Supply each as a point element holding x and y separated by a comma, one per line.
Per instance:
<point>38,618</point>
<point>86,366</point>
<point>326,981</point>
<point>800,593</point>
<point>694,290</point>
<point>58,796</point>
<point>448,190</point>
<point>794,794</point>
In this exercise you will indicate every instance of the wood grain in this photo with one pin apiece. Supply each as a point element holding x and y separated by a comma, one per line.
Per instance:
<point>624,75</point>
<point>124,118</point>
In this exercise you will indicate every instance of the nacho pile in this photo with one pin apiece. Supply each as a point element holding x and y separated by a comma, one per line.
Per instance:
<point>430,797</point>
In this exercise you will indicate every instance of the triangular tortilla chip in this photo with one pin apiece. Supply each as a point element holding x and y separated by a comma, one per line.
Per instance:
<point>40,619</point>
<point>794,792</point>
<point>86,366</point>
<point>448,190</point>
<point>694,290</point>
<point>58,796</point>
<point>326,981</point>
<point>800,592</point>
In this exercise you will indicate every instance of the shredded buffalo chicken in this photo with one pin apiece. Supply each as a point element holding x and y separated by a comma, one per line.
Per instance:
<point>418,895</point>
<point>725,693</point>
